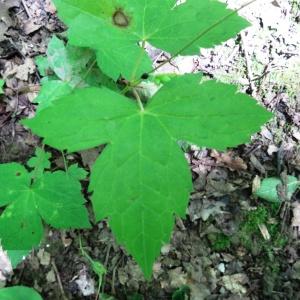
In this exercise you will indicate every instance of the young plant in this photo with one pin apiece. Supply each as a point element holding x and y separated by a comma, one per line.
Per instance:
<point>142,180</point>
<point>97,268</point>
<point>32,197</point>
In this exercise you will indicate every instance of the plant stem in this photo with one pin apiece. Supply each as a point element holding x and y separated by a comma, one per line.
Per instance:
<point>138,99</point>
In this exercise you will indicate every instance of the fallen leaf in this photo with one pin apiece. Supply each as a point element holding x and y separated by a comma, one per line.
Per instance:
<point>235,283</point>
<point>229,160</point>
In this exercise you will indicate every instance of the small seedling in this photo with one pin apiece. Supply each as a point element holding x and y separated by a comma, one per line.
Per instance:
<point>97,268</point>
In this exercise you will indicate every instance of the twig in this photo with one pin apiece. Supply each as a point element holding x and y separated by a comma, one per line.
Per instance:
<point>64,297</point>
<point>26,9</point>
<point>248,64</point>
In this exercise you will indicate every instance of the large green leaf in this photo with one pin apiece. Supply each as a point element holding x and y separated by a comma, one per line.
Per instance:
<point>115,28</point>
<point>19,293</point>
<point>141,181</point>
<point>32,197</point>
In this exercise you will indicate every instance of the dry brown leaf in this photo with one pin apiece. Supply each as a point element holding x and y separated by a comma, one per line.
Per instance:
<point>229,160</point>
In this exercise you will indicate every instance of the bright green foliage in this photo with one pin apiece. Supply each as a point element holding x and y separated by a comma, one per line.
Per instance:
<point>1,86</point>
<point>67,62</point>
<point>115,28</point>
<point>19,293</point>
<point>29,198</point>
<point>16,256</point>
<point>142,178</point>
<point>69,65</point>
<point>51,90</point>
<point>219,241</point>
<point>39,163</point>
<point>268,188</point>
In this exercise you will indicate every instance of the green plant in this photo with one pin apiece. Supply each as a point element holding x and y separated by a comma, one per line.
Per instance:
<point>183,293</point>
<point>141,180</point>
<point>30,197</point>
<point>1,86</point>
<point>19,293</point>
<point>219,241</point>
<point>97,268</point>
<point>250,230</point>
<point>270,188</point>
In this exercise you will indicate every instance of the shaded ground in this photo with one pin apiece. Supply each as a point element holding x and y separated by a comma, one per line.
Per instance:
<point>221,250</point>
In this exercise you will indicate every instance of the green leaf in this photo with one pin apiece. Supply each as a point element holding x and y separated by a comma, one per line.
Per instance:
<point>268,188</point>
<point>122,24</point>
<point>42,65</point>
<point>69,62</point>
<point>39,163</point>
<point>19,293</point>
<point>1,86</point>
<point>17,256</point>
<point>85,115</point>
<point>76,173</point>
<point>141,180</point>
<point>51,90</point>
<point>54,197</point>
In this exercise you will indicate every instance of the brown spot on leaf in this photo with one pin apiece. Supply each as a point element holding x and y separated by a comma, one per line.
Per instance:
<point>120,18</point>
<point>18,174</point>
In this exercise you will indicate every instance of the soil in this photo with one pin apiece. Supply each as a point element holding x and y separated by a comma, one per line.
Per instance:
<point>214,251</point>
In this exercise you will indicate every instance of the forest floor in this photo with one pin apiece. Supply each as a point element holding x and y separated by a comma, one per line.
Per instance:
<point>231,245</point>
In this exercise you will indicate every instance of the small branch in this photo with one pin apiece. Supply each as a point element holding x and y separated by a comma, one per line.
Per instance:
<point>26,9</point>
<point>64,297</point>
<point>248,63</point>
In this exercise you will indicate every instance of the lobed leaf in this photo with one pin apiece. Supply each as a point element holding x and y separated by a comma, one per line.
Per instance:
<point>29,198</point>
<point>121,25</point>
<point>141,180</point>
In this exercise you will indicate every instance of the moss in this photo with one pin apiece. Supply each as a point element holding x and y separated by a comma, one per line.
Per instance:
<point>251,237</point>
<point>254,219</point>
<point>219,241</point>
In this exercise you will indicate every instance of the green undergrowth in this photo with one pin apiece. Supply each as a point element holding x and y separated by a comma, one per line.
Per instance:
<point>250,234</point>
<point>219,241</point>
